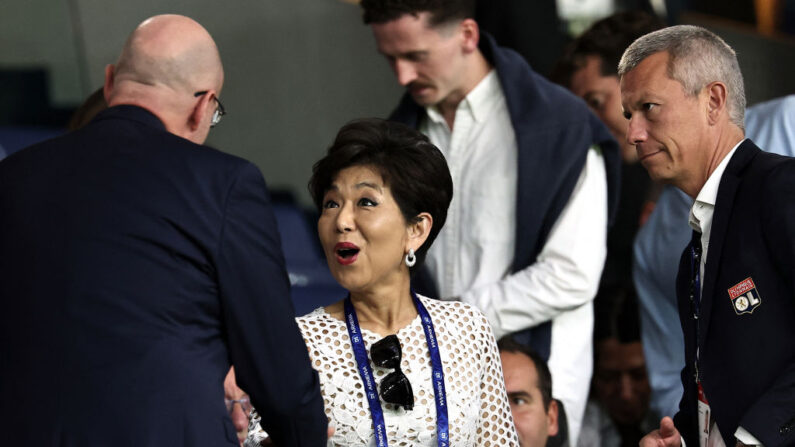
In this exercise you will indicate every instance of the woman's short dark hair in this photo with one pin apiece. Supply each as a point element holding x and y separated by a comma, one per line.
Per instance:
<point>413,168</point>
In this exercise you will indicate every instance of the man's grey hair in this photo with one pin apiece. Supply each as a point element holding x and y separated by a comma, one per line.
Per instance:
<point>697,57</point>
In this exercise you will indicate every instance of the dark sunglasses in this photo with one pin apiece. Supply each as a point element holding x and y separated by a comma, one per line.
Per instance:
<point>395,388</point>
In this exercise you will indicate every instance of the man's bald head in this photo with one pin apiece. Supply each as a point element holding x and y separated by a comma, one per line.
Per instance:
<point>173,51</point>
<point>165,61</point>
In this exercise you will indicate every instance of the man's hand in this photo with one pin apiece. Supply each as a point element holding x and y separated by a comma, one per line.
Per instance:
<point>238,413</point>
<point>666,436</point>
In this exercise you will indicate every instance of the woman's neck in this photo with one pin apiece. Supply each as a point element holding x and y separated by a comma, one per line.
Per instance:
<point>383,311</point>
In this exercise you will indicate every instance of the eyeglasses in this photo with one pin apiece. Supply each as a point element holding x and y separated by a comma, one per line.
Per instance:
<point>244,402</point>
<point>219,111</point>
<point>395,388</point>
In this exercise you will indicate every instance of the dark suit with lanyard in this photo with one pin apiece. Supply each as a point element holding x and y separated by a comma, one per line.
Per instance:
<point>746,314</point>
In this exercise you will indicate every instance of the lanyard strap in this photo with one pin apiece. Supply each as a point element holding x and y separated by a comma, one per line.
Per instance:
<point>366,373</point>
<point>439,393</point>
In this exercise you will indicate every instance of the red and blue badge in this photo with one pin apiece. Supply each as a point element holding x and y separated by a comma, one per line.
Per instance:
<point>745,297</point>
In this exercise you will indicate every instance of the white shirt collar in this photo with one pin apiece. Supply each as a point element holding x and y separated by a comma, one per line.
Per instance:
<point>705,201</point>
<point>478,101</point>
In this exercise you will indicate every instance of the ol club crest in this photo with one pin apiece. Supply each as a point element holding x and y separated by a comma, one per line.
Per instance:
<point>745,298</point>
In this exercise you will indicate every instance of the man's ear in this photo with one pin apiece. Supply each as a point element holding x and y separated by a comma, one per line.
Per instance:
<point>107,87</point>
<point>199,111</point>
<point>470,33</point>
<point>552,418</point>
<point>419,230</point>
<point>717,97</point>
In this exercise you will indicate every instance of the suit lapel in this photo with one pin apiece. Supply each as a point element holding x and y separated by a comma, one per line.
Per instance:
<point>720,222</point>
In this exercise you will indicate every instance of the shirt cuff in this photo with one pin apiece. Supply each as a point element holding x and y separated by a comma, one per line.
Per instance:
<point>746,438</point>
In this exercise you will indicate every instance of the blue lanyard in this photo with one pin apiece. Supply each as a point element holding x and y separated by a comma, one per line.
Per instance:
<point>366,372</point>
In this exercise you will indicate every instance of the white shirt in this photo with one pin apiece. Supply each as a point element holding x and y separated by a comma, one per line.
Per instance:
<point>472,256</point>
<point>701,221</point>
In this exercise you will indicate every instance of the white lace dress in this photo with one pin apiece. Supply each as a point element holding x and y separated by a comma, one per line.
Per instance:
<point>478,410</point>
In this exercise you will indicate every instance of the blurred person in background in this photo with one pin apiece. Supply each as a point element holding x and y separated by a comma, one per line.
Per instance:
<point>589,68</point>
<point>618,413</point>
<point>529,387</point>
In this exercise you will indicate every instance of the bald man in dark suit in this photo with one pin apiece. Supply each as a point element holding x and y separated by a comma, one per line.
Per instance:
<point>136,264</point>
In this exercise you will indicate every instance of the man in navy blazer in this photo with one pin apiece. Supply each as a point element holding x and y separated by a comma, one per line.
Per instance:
<point>136,264</point>
<point>682,91</point>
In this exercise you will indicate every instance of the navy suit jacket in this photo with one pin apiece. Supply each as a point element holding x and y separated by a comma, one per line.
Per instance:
<point>746,342</point>
<point>135,266</point>
<point>554,131</point>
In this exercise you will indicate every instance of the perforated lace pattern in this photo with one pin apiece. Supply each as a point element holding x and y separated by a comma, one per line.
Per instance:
<point>478,408</point>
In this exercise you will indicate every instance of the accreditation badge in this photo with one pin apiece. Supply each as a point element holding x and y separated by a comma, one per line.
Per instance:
<point>704,417</point>
<point>745,297</point>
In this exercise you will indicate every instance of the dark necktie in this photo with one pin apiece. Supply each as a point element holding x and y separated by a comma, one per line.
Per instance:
<point>695,287</point>
<point>695,274</point>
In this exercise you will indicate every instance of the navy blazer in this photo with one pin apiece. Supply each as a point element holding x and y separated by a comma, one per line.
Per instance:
<point>135,266</point>
<point>747,319</point>
<point>554,131</point>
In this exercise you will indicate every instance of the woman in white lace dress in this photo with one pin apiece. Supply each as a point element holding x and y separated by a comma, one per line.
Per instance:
<point>395,368</point>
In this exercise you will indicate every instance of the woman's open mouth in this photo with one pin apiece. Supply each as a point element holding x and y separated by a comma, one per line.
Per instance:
<point>346,253</point>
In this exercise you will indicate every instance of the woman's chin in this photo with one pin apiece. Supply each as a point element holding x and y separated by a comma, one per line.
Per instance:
<point>347,282</point>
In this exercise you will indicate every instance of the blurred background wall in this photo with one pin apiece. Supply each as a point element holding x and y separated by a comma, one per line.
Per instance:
<point>296,70</point>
